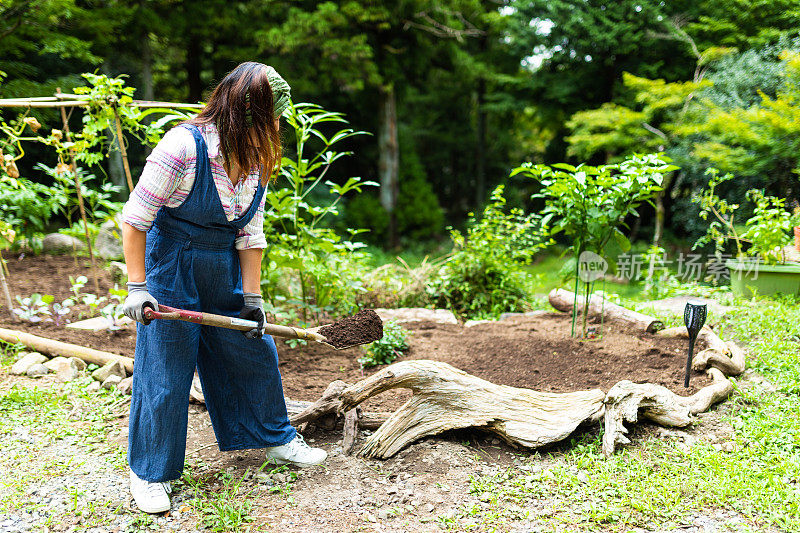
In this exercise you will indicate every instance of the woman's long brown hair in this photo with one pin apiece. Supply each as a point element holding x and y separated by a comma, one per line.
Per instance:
<point>227,109</point>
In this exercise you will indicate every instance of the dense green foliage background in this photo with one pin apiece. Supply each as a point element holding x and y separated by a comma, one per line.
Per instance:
<point>477,87</point>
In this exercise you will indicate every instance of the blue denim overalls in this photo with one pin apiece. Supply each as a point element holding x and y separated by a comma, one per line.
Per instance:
<point>192,263</point>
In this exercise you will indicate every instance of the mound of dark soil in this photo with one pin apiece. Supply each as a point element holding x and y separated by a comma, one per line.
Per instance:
<point>362,328</point>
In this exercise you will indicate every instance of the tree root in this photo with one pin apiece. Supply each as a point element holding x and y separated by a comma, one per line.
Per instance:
<point>626,401</point>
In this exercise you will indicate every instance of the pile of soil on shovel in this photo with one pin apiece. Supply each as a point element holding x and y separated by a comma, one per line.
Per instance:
<point>534,352</point>
<point>362,328</point>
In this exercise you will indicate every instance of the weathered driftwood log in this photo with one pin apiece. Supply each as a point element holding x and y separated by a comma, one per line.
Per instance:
<point>301,412</point>
<point>626,401</point>
<point>730,362</point>
<point>196,390</point>
<point>447,398</point>
<point>706,336</point>
<point>51,347</point>
<point>350,430</point>
<point>563,300</point>
<point>326,406</point>
<point>325,413</point>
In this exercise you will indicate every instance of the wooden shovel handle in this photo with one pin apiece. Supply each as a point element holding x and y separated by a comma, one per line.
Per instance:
<point>209,319</point>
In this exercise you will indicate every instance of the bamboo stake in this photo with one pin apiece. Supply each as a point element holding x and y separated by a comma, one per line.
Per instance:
<point>29,103</point>
<point>81,207</point>
<point>6,294</point>
<point>65,349</point>
<point>145,104</point>
<point>68,100</point>
<point>56,98</point>
<point>121,143</point>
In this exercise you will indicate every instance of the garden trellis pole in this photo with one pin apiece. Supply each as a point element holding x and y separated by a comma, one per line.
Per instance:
<point>123,151</point>
<point>76,100</point>
<point>6,294</point>
<point>81,207</point>
<point>63,100</point>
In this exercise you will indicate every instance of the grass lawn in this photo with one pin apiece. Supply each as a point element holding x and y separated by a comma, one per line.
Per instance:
<point>656,483</point>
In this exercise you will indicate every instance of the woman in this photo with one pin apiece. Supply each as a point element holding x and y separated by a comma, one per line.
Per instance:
<point>193,238</point>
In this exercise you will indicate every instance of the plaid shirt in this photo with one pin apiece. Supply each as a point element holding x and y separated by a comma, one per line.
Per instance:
<point>168,177</point>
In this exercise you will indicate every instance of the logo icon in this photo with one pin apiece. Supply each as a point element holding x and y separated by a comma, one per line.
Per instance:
<point>591,266</point>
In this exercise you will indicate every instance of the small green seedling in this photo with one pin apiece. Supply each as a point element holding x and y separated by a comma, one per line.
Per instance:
<point>386,350</point>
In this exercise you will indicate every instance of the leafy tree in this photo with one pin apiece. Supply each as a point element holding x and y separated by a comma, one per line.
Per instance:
<point>739,79</point>
<point>589,205</point>
<point>760,142</point>
<point>743,24</point>
<point>618,131</point>
<point>40,29</point>
<point>578,51</point>
<point>377,53</point>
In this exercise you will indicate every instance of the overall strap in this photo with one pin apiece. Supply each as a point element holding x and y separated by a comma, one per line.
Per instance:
<point>203,174</point>
<point>202,165</point>
<point>200,219</point>
<point>248,215</point>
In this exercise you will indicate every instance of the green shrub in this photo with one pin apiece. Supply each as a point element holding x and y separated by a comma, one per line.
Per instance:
<point>365,211</point>
<point>387,349</point>
<point>482,278</point>
<point>764,235</point>
<point>308,264</point>
<point>419,215</point>
<point>589,206</point>
<point>475,287</point>
<point>27,206</point>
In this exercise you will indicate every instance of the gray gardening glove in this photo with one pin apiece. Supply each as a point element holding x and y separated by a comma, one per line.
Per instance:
<point>253,310</point>
<point>138,298</point>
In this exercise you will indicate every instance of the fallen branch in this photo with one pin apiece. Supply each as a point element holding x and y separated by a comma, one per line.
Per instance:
<point>302,412</point>
<point>626,401</point>
<point>730,363</point>
<point>447,398</point>
<point>564,300</point>
<point>706,336</point>
<point>49,346</point>
<point>325,407</point>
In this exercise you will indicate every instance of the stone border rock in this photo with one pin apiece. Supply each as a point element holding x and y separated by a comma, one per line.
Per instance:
<point>36,365</point>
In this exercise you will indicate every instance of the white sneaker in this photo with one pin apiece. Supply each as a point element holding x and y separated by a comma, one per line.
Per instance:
<point>150,497</point>
<point>296,452</point>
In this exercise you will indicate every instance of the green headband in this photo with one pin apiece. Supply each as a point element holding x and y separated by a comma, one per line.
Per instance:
<point>281,92</point>
<point>281,95</point>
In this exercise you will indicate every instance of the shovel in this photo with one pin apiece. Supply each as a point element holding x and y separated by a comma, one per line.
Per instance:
<point>694,316</point>
<point>208,319</point>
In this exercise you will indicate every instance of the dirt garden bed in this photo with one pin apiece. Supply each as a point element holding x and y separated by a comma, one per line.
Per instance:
<point>413,490</point>
<point>528,351</point>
